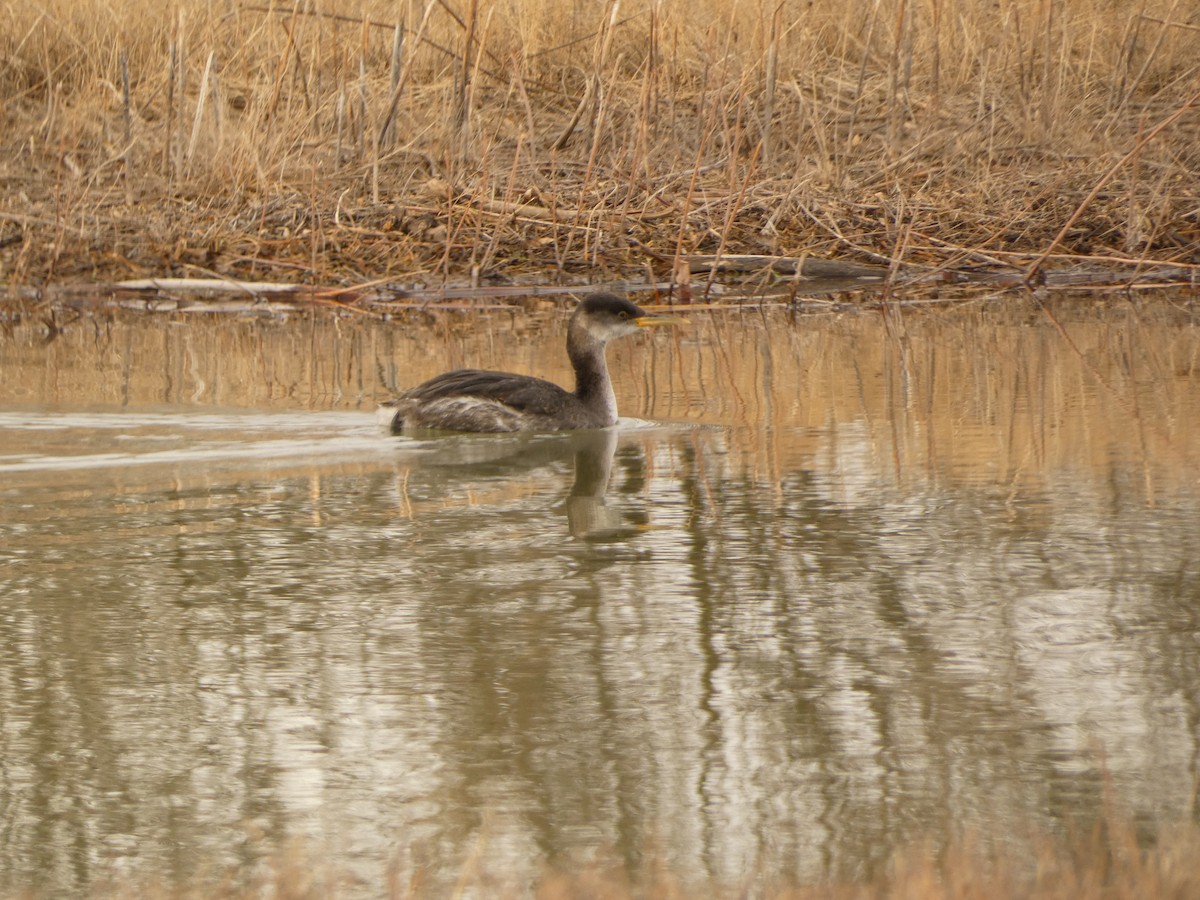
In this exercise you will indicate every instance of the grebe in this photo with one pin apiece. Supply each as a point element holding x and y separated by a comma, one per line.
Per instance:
<point>475,400</point>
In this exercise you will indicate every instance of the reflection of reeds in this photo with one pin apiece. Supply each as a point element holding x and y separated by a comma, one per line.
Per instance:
<point>962,394</point>
<point>480,136</point>
<point>1106,863</point>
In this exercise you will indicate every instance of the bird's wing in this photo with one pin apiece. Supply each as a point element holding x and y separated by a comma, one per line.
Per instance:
<point>523,393</point>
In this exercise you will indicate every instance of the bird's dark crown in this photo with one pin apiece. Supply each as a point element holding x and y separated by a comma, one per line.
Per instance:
<point>610,304</point>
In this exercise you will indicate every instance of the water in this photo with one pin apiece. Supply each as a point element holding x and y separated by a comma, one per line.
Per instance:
<point>845,583</point>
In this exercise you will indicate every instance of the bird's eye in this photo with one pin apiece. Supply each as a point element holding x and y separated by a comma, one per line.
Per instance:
<point>623,314</point>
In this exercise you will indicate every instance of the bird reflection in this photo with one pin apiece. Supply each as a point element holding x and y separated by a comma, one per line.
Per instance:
<point>592,451</point>
<point>588,515</point>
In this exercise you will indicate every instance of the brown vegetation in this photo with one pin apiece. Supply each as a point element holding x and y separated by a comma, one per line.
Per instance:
<point>352,142</point>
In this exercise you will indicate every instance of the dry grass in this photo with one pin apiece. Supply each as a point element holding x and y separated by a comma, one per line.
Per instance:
<point>481,139</point>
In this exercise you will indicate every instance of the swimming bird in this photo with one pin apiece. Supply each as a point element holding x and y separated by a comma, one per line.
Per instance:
<point>481,401</point>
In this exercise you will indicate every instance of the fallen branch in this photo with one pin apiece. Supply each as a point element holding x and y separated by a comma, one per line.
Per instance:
<point>207,285</point>
<point>804,267</point>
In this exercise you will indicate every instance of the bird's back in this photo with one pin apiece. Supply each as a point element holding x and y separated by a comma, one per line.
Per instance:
<point>479,400</point>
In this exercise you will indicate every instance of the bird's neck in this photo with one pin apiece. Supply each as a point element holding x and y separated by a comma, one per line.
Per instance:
<point>593,386</point>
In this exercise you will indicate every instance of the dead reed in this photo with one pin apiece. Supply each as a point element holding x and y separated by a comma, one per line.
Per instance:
<point>329,143</point>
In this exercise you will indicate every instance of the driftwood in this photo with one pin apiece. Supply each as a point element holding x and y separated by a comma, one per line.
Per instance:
<point>804,266</point>
<point>228,295</point>
<point>812,277</point>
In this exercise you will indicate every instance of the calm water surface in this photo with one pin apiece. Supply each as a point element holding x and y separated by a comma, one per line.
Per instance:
<point>846,583</point>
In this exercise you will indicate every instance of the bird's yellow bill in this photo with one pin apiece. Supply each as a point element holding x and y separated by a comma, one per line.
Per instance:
<point>651,321</point>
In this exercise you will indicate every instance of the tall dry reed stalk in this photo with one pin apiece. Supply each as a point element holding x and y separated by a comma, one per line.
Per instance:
<point>433,137</point>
